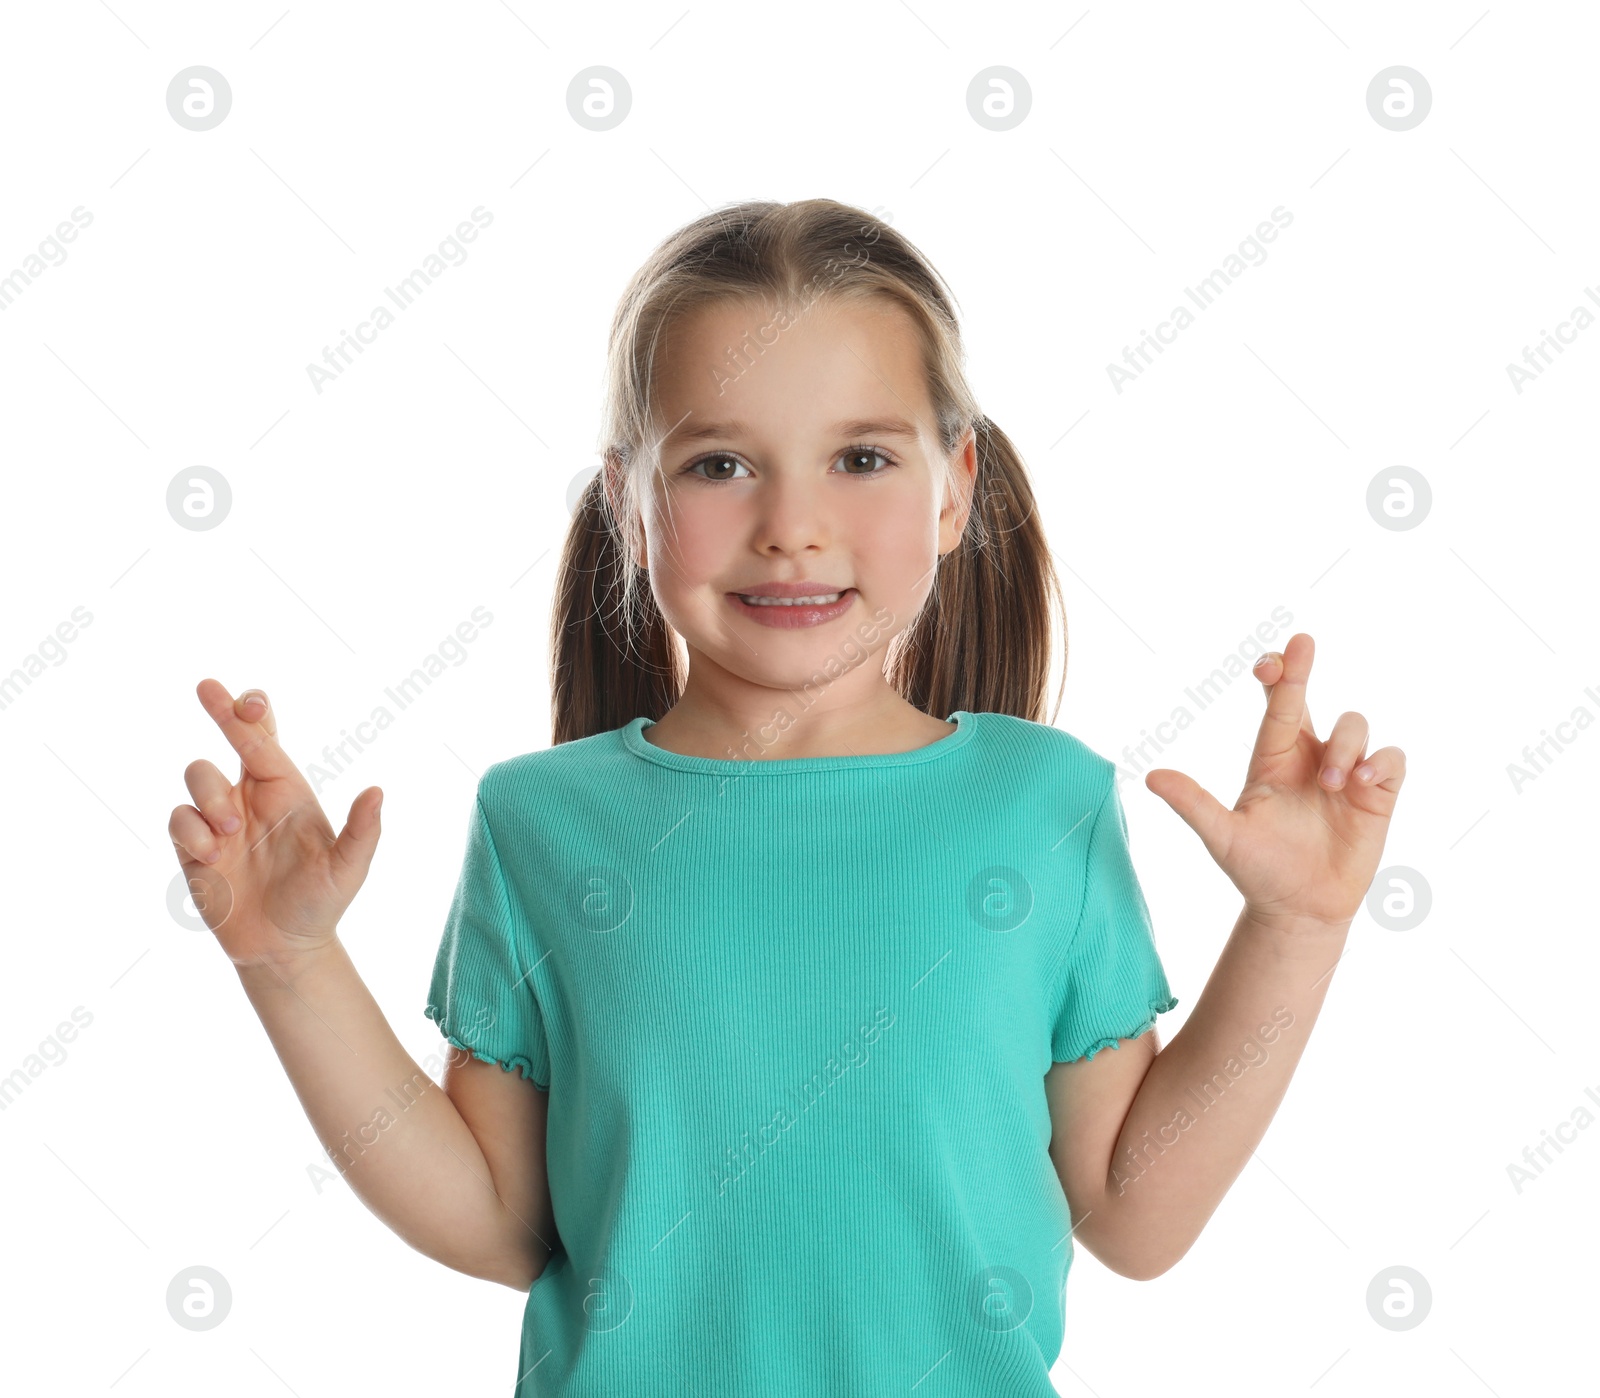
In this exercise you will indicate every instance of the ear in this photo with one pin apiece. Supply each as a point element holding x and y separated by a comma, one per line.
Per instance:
<point>958,498</point>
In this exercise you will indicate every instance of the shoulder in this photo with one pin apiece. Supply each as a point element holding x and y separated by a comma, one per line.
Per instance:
<point>547,774</point>
<point>1047,751</point>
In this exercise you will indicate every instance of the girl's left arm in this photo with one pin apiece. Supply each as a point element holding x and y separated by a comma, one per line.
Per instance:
<point>1147,1142</point>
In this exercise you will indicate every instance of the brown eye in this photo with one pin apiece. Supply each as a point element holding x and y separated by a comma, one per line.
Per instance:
<point>864,456</point>
<point>714,465</point>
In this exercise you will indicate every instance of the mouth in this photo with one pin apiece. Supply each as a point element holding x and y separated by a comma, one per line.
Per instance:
<point>812,608</point>
<point>819,599</point>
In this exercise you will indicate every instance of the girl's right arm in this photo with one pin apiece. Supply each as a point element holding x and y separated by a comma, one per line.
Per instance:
<point>457,1171</point>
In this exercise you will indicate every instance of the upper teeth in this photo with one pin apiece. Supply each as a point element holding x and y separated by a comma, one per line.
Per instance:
<point>821,600</point>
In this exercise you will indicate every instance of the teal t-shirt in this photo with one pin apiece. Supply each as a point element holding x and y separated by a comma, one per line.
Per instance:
<point>794,1017</point>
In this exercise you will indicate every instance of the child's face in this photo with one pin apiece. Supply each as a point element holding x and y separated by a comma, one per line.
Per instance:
<point>782,487</point>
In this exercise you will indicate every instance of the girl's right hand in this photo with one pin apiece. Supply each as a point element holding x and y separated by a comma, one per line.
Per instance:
<point>265,869</point>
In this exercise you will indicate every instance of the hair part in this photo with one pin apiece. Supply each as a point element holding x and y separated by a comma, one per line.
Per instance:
<point>982,641</point>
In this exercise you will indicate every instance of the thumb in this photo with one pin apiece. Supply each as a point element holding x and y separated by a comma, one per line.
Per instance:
<point>1198,808</point>
<point>358,841</point>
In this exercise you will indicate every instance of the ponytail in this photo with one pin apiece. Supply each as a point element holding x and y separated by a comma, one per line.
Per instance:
<point>982,641</point>
<point>612,653</point>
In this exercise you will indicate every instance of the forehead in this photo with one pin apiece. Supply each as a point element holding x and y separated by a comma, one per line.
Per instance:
<point>740,368</point>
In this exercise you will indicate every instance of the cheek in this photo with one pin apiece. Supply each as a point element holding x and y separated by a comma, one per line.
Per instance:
<point>694,536</point>
<point>895,551</point>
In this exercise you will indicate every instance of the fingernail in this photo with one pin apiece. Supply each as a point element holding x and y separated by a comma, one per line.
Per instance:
<point>1364,771</point>
<point>255,697</point>
<point>1333,776</point>
<point>213,855</point>
<point>230,824</point>
<point>1261,662</point>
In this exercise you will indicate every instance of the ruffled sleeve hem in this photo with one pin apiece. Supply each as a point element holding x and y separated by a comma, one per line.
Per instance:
<point>521,1063</point>
<point>1157,1007</point>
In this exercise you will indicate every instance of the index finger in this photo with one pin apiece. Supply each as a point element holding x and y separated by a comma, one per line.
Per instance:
<point>256,744</point>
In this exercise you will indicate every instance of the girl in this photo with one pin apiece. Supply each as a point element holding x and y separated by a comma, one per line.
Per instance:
<point>777,999</point>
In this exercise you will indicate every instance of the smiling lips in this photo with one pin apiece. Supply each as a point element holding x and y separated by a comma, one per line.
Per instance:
<point>796,604</point>
<point>818,600</point>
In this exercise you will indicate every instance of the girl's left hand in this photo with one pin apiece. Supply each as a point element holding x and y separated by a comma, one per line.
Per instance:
<point>1303,840</point>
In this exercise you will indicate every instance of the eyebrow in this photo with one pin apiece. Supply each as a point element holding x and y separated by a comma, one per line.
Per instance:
<point>854,427</point>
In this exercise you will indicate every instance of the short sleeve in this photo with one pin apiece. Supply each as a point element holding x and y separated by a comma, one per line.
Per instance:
<point>1113,984</point>
<point>482,995</point>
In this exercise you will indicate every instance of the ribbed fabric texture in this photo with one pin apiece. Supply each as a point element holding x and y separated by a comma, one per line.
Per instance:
<point>794,1018</point>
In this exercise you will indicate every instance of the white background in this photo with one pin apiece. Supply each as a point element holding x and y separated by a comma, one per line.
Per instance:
<point>431,478</point>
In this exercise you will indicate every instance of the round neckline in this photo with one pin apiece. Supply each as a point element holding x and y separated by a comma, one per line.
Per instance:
<point>634,740</point>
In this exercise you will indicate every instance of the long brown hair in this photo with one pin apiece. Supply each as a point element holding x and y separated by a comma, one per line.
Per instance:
<point>982,640</point>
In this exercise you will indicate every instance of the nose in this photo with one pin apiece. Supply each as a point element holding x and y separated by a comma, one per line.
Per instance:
<point>791,514</point>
